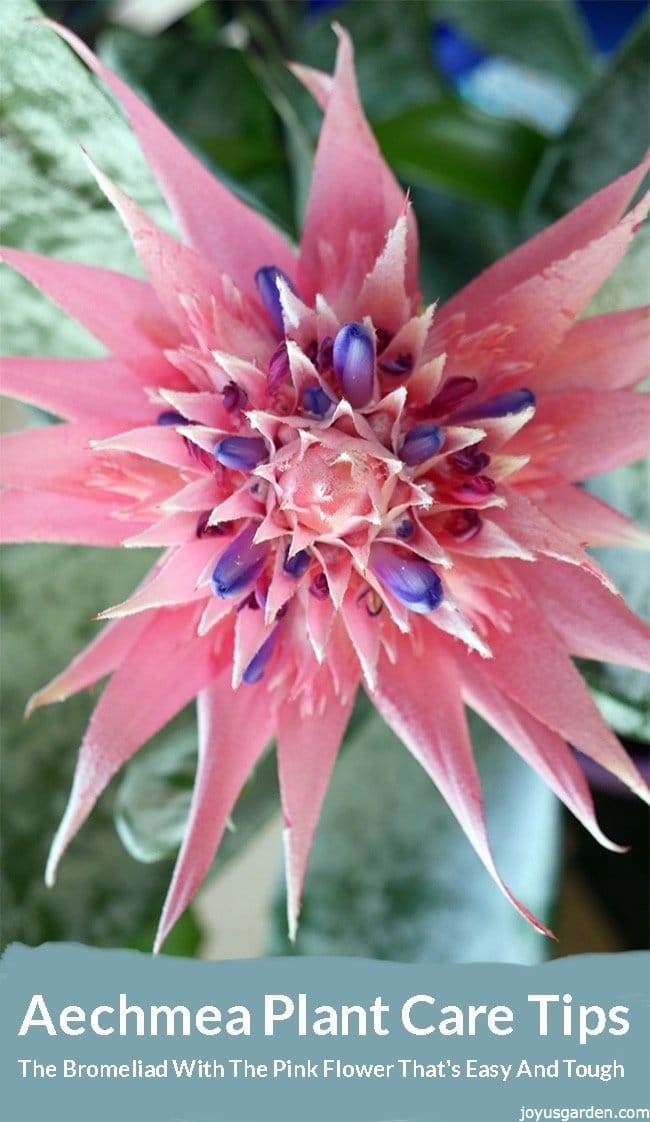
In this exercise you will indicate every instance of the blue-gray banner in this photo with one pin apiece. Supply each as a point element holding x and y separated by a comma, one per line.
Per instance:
<point>105,1035</point>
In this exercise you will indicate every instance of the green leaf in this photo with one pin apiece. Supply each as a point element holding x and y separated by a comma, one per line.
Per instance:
<point>546,36</point>
<point>454,147</point>
<point>49,202</point>
<point>153,799</point>
<point>102,896</point>
<point>459,239</point>
<point>608,134</point>
<point>392,51</point>
<point>392,875</point>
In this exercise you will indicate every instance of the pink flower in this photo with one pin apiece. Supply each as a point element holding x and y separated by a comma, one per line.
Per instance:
<point>348,489</point>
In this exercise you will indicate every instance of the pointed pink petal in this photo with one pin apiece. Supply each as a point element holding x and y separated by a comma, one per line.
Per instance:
<point>319,84</point>
<point>546,752</point>
<point>77,389</point>
<point>449,618</point>
<point>198,496</point>
<point>202,408</point>
<point>493,541</point>
<point>51,457</point>
<point>154,442</point>
<point>120,311</point>
<point>588,221</point>
<point>176,529</point>
<point>102,655</point>
<point>352,193</point>
<point>542,309</point>
<point>593,432</point>
<point>174,582</point>
<point>162,672</point>
<point>234,729</point>
<point>429,718</point>
<point>308,742</point>
<point>214,612</point>
<point>365,635</point>
<point>175,271</point>
<point>607,352</point>
<point>590,520</point>
<point>44,516</point>
<point>214,222</point>
<point>531,665</point>
<point>525,523</point>
<point>319,620</point>
<point>590,620</point>
<point>384,297</point>
<point>241,504</point>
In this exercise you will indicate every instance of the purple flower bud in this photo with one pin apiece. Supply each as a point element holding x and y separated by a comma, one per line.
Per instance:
<point>397,367</point>
<point>405,529</point>
<point>234,397</point>
<point>279,368</point>
<point>242,453</point>
<point>463,525</point>
<point>479,487</point>
<point>411,580</point>
<point>171,417</point>
<point>319,588</point>
<point>259,662</point>
<point>240,565</point>
<point>452,393</point>
<point>470,460</point>
<point>512,401</point>
<point>266,280</point>
<point>421,442</point>
<point>354,363</point>
<point>323,358</point>
<point>297,565</point>
<point>316,401</point>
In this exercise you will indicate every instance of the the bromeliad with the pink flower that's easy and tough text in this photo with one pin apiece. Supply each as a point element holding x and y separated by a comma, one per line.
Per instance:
<point>349,489</point>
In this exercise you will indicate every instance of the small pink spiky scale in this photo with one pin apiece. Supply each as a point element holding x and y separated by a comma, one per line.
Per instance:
<point>347,489</point>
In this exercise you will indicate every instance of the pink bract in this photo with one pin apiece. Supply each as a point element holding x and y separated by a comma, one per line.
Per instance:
<point>348,489</point>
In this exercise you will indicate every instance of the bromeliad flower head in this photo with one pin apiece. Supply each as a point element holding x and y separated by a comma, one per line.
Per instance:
<point>348,489</point>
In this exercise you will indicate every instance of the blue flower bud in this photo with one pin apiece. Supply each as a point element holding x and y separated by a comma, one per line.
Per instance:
<point>512,401</point>
<point>297,565</point>
<point>240,565</point>
<point>316,401</point>
<point>421,442</point>
<point>279,368</point>
<point>411,580</point>
<point>259,662</point>
<point>354,363</point>
<point>243,453</point>
<point>266,280</point>
<point>234,397</point>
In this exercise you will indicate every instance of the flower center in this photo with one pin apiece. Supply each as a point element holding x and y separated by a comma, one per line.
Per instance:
<point>328,491</point>
<point>350,439</point>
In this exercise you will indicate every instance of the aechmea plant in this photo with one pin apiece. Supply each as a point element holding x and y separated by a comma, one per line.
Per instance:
<point>349,489</point>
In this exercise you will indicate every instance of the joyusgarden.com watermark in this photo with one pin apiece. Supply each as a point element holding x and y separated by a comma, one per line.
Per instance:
<point>568,1113</point>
